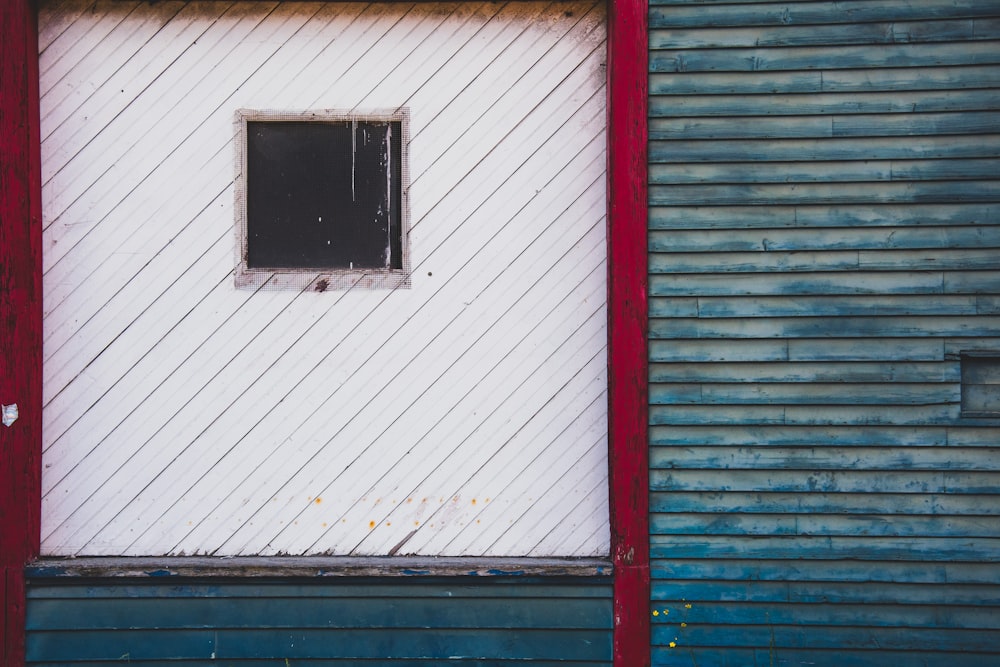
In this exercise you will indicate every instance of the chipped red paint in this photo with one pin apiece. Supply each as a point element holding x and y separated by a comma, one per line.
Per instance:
<point>21,316</point>
<point>627,325</point>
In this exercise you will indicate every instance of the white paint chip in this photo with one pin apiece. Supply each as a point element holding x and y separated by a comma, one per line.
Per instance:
<point>9,414</point>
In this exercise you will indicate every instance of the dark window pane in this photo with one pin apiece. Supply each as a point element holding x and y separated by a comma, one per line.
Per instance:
<point>323,195</point>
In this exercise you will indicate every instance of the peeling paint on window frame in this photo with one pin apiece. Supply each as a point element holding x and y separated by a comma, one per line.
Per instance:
<point>319,280</point>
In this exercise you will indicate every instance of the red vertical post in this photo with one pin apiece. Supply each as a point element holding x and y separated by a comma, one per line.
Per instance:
<point>627,327</point>
<point>20,314</point>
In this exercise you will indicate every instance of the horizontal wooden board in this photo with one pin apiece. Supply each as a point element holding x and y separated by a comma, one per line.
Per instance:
<point>815,216</point>
<point>799,104</point>
<point>954,30</point>
<point>827,283</point>
<point>818,126</point>
<point>352,644</point>
<point>821,570</point>
<point>759,415</point>
<point>826,149</point>
<point>824,172</point>
<point>964,259</point>
<point>867,657</point>
<point>825,327</point>
<point>737,350</point>
<point>743,502</point>
<point>828,80</point>
<point>812,13</point>
<point>873,238</point>
<point>672,58</point>
<point>832,638</point>
<point>827,525</point>
<point>816,480</point>
<point>801,393</point>
<point>825,458</point>
<point>861,372</point>
<point>820,306</point>
<point>930,550</point>
<point>726,194</point>
<point>798,436</point>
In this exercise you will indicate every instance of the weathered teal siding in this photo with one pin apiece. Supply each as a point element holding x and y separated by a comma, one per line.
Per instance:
<point>824,243</point>
<point>376,622</point>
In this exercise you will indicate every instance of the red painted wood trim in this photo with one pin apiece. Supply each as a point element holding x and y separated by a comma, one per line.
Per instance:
<point>627,325</point>
<point>20,313</point>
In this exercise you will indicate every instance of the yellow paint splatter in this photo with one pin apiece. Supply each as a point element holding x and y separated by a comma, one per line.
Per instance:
<point>656,613</point>
<point>416,523</point>
<point>371,524</point>
<point>318,500</point>
<point>388,523</point>
<point>673,644</point>
<point>684,625</point>
<point>324,524</point>
<point>473,501</point>
<point>687,606</point>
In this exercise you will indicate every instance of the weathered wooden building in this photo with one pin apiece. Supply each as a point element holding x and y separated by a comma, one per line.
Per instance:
<point>465,450</point>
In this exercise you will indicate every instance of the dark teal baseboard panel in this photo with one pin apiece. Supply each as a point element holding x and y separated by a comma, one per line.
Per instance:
<point>375,622</point>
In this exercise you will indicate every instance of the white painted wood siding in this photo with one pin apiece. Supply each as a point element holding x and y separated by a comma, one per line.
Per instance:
<point>466,415</point>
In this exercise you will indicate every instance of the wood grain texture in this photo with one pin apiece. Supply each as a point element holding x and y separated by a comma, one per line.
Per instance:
<point>628,316</point>
<point>20,313</point>
<point>820,255</point>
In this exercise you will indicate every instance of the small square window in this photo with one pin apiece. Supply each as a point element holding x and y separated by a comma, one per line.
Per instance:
<point>321,199</point>
<point>981,384</point>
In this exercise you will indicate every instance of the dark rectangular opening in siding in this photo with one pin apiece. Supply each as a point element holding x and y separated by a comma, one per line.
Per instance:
<point>981,384</point>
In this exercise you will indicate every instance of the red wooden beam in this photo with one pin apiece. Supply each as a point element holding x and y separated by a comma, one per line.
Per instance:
<point>627,325</point>
<point>20,314</point>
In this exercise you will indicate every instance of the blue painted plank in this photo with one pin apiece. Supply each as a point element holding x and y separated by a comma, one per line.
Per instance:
<point>818,126</point>
<point>832,592</point>
<point>964,30</point>
<point>825,239</point>
<point>919,550</point>
<point>825,172</point>
<point>819,216</point>
<point>813,414</point>
<point>269,611</point>
<point>823,570</point>
<point>875,526</point>
<point>818,436</point>
<point>804,393</point>
<point>831,637</point>
<point>750,502</point>
<point>816,480</point>
<point>964,259</point>
<point>826,458</point>
<point>823,193</point>
<point>820,306</point>
<point>789,657</point>
<point>866,372</point>
<point>826,149</point>
<point>824,81</point>
<point>810,13</point>
<point>805,104</point>
<point>832,283</point>
<point>669,58</point>
<point>825,327</point>
<point>343,644</point>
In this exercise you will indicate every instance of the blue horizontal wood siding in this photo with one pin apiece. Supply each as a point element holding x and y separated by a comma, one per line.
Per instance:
<point>351,621</point>
<point>824,244</point>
